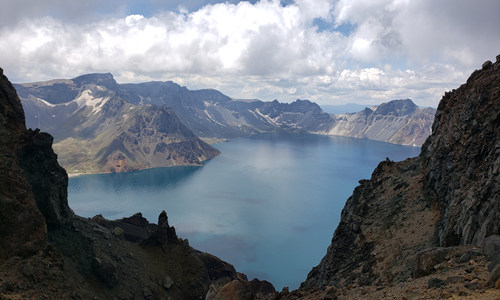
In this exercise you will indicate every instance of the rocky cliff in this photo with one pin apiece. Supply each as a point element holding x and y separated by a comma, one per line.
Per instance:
<point>22,228</point>
<point>462,159</point>
<point>448,196</point>
<point>47,252</point>
<point>398,121</point>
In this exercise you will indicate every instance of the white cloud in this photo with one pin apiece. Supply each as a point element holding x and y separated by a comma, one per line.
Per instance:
<point>398,48</point>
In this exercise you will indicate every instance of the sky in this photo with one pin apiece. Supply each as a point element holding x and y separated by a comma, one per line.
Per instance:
<point>330,52</point>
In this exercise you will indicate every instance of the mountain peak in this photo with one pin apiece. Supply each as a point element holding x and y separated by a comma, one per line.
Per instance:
<point>397,108</point>
<point>104,79</point>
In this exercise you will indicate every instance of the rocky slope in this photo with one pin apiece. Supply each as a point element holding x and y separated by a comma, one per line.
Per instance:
<point>402,223</point>
<point>98,131</point>
<point>47,252</point>
<point>213,115</point>
<point>397,121</point>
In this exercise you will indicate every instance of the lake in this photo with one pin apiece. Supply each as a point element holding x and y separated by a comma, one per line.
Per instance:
<point>268,204</point>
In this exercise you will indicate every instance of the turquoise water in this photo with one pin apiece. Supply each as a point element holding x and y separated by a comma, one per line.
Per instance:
<point>268,204</point>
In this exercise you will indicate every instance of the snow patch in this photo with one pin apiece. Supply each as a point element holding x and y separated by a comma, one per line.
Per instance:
<point>45,102</point>
<point>212,119</point>
<point>86,99</point>
<point>268,118</point>
<point>208,104</point>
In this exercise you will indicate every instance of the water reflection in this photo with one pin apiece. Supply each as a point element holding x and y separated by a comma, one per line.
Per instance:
<point>157,178</point>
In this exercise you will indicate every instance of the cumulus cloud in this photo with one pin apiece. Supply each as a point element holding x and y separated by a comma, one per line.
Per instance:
<point>265,49</point>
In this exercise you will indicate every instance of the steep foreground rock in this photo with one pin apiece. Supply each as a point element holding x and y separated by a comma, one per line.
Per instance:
<point>47,252</point>
<point>22,228</point>
<point>420,217</point>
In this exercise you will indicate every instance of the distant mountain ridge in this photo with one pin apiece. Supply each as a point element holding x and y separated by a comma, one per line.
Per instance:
<point>211,114</point>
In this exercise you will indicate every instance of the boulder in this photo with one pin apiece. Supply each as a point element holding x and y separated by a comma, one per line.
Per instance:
<point>425,261</point>
<point>491,250</point>
<point>435,283</point>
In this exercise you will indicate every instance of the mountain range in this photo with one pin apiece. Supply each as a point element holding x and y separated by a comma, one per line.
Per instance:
<point>102,126</point>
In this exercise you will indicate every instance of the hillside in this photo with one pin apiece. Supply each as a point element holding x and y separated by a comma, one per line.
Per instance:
<point>97,131</point>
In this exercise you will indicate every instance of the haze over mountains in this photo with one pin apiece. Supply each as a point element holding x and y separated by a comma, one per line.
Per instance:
<point>102,126</point>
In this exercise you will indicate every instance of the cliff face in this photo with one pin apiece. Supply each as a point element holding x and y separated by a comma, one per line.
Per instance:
<point>22,227</point>
<point>447,196</point>
<point>462,159</point>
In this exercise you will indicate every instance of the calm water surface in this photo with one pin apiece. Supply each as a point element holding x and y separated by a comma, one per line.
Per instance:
<point>268,204</point>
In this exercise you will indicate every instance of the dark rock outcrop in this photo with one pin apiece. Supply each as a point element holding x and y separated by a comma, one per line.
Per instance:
<point>462,159</point>
<point>242,289</point>
<point>491,250</point>
<point>48,180</point>
<point>448,196</point>
<point>425,261</point>
<point>23,229</point>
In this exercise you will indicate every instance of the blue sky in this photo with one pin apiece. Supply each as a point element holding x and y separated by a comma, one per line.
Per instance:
<point>331,52</point>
